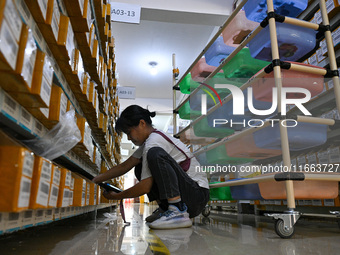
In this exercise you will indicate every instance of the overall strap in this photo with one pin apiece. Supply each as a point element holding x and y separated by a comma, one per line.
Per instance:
<point>169,140</point>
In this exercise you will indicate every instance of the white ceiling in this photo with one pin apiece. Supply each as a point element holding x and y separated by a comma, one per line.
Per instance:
<point>166,27</point>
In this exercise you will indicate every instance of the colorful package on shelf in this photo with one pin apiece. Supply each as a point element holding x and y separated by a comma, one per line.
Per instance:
<point>217,52</point>
<point>187,84</point>
<point>186,113</point>
<point>243,65</point>
<point>188,136</point>
<point>294,42</point>
<point>212,98</point>
<point>245,147</point>
<point>16,177</point>
<point>8,48</point>
<point>302,136</point>
<point>248,191</point>
<point>221,193</point>
<point>238,29</point>
<point>219,155</point>
<point>224,117</point>
<point>256,10</point>
<point>202,70</point>
<point>213,94</point>
<point>308,189</point>
<point>262,87</point>
<point>54,189</point>
<point>41,182</point>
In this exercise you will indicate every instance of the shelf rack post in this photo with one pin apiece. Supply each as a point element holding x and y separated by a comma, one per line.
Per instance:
<point>331,52</point>
<point>278,84</point>
<point>174,75</point>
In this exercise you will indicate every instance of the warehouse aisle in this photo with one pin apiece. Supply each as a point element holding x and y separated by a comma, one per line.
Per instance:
<point>221,233</point>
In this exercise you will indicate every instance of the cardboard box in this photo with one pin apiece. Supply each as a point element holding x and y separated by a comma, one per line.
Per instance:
<point>27,219</point>
<point>322,157</point>
<point>313,60</point>
<point>26,120</point>
<point>95,99</point>
<point>91,36</point>
<point>71,196</point>
<point>63,213</point>
<point>58,103</point>
<point>54,190</point>
<point>22,46</point>
<point>41,114</point>
<point>87,137</point>
<point>70,46</point>
<point>332,7</point>
<point>104,8</point>
<point>56,214</point>
<point>9,48</point>
<point>301,162</point>
<point>38,129</point>
<point>41,10</point>
<point>11,15</point>
<point>81,125</point>
<point>43,5</point>
<point>55,21</point>
<point>12,221</point>
<point>64,187</point>
<point>92,193</point>
<point>334,155</point>
<point>108,10</point>
<point>69,106</point>
<point>79,193</point>
<point>75,61</point>
<point>94,48</point>
<point>63,30</point>
<point>89,15</point>
<point>41,182</point>
<point>311,159</point>
<point>87,193</point>
<point>9,107</point>
<point>16,172</point>
<point>48,69</point>
<point>84,84</point>
<point>48,215</point>
<point>39,217</point>
<point>90,91</point>
<point>41,85</point>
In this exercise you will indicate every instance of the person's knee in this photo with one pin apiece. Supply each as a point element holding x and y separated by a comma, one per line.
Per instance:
<point>154,153</point>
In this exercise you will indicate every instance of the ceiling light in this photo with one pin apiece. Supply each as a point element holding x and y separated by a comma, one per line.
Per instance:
<point>153,70</point>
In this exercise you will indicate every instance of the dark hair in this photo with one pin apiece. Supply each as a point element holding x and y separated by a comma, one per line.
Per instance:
<point>131,117</point>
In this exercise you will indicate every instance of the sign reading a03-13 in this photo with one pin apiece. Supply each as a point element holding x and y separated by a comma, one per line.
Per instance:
<point>123,12</point>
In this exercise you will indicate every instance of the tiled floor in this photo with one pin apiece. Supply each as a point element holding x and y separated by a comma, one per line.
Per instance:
<point>221,233</point>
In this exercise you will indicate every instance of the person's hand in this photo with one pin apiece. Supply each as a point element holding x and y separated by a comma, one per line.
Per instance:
<point>110,195</point>
<point>96,179</point>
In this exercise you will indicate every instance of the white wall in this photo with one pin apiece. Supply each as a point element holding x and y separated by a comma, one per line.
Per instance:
<point>219,7</point>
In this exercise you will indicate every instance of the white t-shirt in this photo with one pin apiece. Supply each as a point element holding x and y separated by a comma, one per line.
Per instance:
<point>156,140</point>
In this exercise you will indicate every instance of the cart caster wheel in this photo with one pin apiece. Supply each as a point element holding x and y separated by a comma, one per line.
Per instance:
<point>206,211</point>
<point>281,231</point>
<point>206,221</point>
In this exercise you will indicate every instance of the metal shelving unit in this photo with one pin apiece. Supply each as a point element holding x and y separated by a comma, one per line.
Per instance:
<point>20,129</point>
<point>284,226</point>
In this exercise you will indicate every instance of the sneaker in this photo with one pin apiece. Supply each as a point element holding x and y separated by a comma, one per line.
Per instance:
<point>172,218</point>
<point>173,239</point>
<point>155,215</point>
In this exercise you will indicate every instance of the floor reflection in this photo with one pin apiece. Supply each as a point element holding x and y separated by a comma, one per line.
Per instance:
<point>221,233</point>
